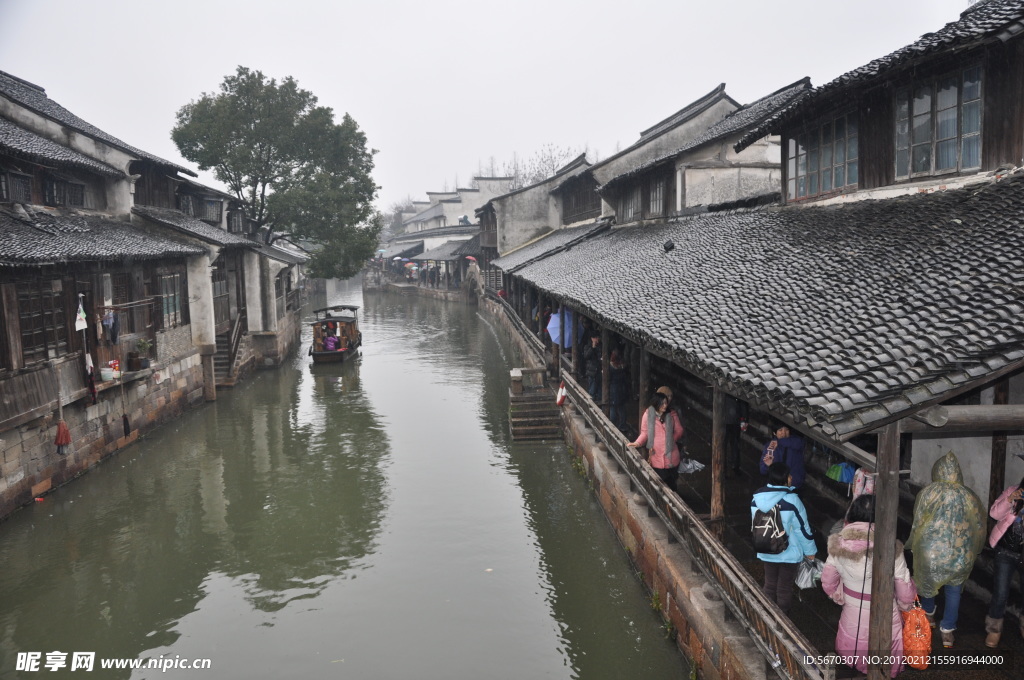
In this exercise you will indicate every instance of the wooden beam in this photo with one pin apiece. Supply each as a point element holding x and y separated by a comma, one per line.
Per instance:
<point>984,418</point>
<point>989,379</point>
<point>887,495</point>
<point>717,453</point>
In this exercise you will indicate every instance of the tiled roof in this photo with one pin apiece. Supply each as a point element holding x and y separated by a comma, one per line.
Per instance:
<point>443,252</point>
<point>284,255</point>
<point>985,21</point>
<point>470,247</point>
<point>403,249</point>
<point>39,237</point>
<point>438,231</point>
<point>18,141</point>
<point>552,242</point>
<point>34,97</point>
<point>737,121</point>
<point>175,219</point>
<point>842,317</point>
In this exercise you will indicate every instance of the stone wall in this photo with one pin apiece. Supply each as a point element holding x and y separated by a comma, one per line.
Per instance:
<point>714,642</point>
<point>29,462</point>
<point>271,347</point>
<point>173,342</point>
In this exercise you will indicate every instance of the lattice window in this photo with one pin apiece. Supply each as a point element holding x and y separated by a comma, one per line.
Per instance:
<point>656,197</point>
<point>186,204</point>
<point>21,188</point>
<point>76,194</point>
<point>211,211</point>
<point>629,204</point>
<point>42,319</point>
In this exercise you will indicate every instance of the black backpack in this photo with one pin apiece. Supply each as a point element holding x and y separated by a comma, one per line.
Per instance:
<point>769,534</point>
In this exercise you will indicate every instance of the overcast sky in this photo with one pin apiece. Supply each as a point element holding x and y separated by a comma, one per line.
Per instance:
<point>442,86</point>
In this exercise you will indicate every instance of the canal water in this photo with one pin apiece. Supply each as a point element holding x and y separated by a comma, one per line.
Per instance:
<point>369,520</point>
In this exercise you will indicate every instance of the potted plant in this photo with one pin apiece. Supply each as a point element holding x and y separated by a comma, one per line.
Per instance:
<point>144,345</point>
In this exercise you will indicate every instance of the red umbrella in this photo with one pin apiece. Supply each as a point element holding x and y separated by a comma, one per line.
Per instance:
<point>470,257</point>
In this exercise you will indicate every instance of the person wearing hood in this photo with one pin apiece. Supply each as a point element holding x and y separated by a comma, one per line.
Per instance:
<point>780,569</point>
<point>947,535</point>
<point>847,580</point>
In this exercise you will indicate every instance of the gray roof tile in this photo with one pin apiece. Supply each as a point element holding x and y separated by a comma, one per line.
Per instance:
<point>34,97</point>
<point>41,237</point>
<point>874,340</point>
<point>179,221</point>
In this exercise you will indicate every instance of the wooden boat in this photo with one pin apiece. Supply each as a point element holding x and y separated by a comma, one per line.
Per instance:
<point>336,335</point>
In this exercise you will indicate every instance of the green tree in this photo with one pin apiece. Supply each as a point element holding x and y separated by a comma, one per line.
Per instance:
<point>294,168</point>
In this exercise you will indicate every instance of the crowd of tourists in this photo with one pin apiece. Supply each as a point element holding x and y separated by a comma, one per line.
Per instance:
<point>947,534</point>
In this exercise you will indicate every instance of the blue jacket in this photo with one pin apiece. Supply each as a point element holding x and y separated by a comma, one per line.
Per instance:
<point>790,450</point>
<point>794,521</point>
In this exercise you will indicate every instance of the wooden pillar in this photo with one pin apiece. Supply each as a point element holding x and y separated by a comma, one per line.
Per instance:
<point>997,470</point>
<point>606,377</point>
<point>717,453</point>
<point>645,383</point>
<point>561,334</point>
<point>887,495</point>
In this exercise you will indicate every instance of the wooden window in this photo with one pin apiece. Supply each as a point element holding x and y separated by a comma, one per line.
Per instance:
<point>221,293</point>
<point>76,194</point>
<point>581,202</point>
<point>42,320</point>
<point>656,197</point>
<point>173,305</point>
<point>629,204</point>
<point>54,191</point>
<point>186,204</point>
<point>211,211</point>
<point>21,188</point>
<point>938,125</point>
<point>5,187</point>
<point>823,160</point>
<point>236,221</point>
<point>121,294</point>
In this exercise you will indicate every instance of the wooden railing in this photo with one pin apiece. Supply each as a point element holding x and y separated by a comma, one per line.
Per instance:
<point>531,338</point>
<point>785,648</point>
<point>236,340</point>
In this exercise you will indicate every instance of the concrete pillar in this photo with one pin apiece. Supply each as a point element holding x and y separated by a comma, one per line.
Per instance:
<point>253,297</point>
<point>204,337</point>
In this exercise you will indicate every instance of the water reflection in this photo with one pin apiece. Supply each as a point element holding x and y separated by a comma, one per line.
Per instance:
<point>367,519</point>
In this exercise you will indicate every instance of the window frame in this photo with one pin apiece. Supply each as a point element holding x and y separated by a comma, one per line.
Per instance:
<point>933,85</point>
<point>15,178</point>
<point>807,150</point>
<point>39,321</point>
<point>631,204</point>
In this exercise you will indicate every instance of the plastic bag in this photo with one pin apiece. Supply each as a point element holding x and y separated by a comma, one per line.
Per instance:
<point>841,472</point>
<point>917,637</point>
<point>808,574</point>
<point>689,465</point>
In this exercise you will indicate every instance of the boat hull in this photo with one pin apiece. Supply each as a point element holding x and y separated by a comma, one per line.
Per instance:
<point>335,357</point>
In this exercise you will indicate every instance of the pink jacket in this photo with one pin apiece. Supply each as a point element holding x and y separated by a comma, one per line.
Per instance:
<point>657,447</point>
<point>1002,512</point>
